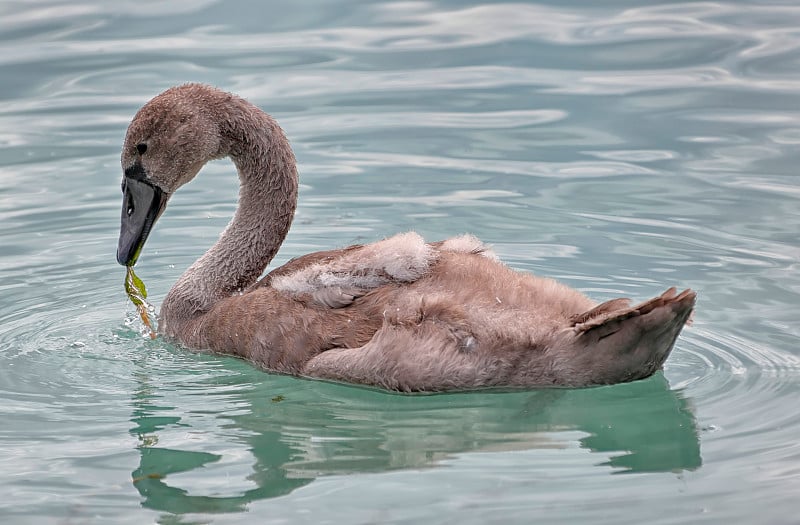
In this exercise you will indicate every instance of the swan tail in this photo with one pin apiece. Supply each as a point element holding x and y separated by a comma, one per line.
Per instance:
<point>615,343</point>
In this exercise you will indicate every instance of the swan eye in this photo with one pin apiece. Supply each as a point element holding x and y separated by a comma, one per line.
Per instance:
<point>141,148</point>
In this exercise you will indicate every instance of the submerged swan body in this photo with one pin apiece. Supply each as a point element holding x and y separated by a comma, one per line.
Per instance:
<point>400,314</point>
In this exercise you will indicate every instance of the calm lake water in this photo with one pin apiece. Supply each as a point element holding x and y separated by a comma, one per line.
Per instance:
<point>623,147</point>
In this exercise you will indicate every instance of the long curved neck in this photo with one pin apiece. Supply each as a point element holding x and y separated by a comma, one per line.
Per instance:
<point>267,201</point>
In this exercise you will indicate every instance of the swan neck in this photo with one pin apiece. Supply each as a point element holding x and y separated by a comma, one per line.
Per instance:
<point>267,200</point>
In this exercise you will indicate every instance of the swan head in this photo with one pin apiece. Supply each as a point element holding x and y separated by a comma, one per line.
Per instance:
<point>167,142</point>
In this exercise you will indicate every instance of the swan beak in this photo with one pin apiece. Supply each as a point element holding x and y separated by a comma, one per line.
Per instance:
<point>142,205</point>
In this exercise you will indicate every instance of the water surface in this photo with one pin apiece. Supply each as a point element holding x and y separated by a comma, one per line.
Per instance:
<point>622,148</point>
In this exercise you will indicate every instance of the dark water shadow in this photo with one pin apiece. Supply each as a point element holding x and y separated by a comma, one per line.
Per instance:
<point>297,430</point>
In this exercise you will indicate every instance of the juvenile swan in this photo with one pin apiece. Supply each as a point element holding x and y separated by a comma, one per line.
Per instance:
<point>399,314</point>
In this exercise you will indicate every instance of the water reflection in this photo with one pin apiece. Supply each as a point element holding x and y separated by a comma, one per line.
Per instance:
<point>281,433</point>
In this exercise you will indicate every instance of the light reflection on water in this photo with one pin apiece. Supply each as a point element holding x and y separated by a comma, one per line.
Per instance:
<point>622,148</point>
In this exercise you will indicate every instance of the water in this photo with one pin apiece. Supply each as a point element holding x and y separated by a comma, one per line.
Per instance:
<point>623,148</point>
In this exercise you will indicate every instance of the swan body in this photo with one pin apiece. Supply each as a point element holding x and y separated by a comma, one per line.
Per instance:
<point>401,314</point>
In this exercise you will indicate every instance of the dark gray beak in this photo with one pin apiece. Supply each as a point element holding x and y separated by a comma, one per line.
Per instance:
<point>142,205</point>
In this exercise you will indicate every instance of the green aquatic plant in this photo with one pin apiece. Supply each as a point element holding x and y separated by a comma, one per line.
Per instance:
<point>137,293</point>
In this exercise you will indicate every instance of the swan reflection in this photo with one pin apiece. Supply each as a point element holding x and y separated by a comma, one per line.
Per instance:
<point>230,439</point>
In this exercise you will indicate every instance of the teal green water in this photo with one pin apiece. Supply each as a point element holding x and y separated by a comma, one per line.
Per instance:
<point>623,147</point>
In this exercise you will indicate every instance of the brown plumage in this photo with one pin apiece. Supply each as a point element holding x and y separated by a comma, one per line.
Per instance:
<point>400,314</point>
